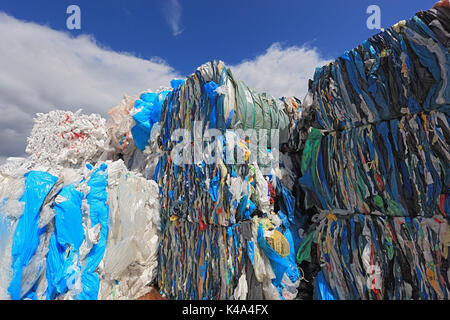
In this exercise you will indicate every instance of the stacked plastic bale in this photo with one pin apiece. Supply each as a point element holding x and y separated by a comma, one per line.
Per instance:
<point>374,136</point>
<point>375,257</point>
<point>226,226</point>
<point>72,230</point>
<point>67,139</point>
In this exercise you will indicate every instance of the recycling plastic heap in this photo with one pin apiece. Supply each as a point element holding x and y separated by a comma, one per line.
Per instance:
<point>343,197</point>
<point>374,168</point>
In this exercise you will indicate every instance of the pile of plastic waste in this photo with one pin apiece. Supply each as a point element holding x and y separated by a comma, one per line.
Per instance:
<point>66,138</point>
<point>76,230</point>
<point>90,232</point>
<point>211,190</point>
<point>375,257</point>
<point>222,236</point>
<point>374,166</point>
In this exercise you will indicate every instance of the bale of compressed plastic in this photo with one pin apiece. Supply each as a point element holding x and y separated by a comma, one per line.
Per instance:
<point>66,138</point>
<point>86,233</point>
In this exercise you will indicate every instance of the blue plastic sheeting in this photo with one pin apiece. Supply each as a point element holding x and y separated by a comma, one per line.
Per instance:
<point>251,250</point>
<point>289,221</point>
<point>292,271</point>
<point>62,270</point>
<point>214,186</point>
<point>210,89</point>
<point>150,114</point>
<point>288,202</point>
<point>68,219</point>
<point>99,213</point>
<point>175,83</point>
<point>321,289</point>
<point>151,104</point>
<point>279,264</point>
<point>26,237</point>
<point>246,207</point>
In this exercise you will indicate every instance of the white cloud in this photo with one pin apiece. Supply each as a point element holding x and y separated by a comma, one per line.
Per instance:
<point>172,12</point>
<point>43,69</point>
<point>281,71</point>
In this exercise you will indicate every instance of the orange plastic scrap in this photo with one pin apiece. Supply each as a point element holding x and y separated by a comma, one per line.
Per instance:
<point>332,217</point>
<point>292,103</point>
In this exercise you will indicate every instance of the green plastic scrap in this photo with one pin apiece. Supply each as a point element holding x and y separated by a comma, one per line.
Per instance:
<point>304,252</point>
<point>310,151</point>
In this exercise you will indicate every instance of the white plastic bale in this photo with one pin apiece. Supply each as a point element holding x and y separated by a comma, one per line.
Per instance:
<point>66,138</point>
<point>130,259</point>
<point>79,178</point>
<point>12,186</point>
<point>133,239</point>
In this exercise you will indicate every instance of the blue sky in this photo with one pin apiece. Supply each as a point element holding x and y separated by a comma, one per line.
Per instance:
<point>231,30</point>
<point>128,47</point>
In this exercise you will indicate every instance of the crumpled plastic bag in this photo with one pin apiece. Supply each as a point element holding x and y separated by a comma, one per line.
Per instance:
<point>120,123</point>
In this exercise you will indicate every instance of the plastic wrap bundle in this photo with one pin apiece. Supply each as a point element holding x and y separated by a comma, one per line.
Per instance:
<point>217,177</point>
<point>250,260</point>
<point>207,195</point>
<point>130,261</point>
<point>204,234</point>
<point>133,130</point>
<point>66,138</point>
<point>147,112</point>
<point>379,113</point>
<point>403,70</point>
<point>212,95</point>
<point>373,257</point>
<point>398,167</point>
<point>374,148</point>
<point>55,226</point>
<point>119,126</point>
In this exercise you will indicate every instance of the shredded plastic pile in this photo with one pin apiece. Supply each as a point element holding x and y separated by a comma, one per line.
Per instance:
<point>66,138</point>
